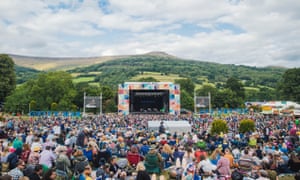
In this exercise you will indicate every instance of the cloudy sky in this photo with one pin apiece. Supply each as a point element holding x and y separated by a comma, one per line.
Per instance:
<point>248,32</point>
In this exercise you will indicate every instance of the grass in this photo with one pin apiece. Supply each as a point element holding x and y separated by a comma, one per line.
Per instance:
<point>94,84</point>
<point>83,79</point>
<point>157,76</point>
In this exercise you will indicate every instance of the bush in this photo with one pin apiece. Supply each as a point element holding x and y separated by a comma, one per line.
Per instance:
<point>219,126</point>
<point>247,125</point>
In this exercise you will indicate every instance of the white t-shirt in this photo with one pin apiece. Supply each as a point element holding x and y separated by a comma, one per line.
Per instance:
<point>207,166</point>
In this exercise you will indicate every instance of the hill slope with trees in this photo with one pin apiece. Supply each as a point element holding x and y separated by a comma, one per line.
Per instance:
<point>118,71</point>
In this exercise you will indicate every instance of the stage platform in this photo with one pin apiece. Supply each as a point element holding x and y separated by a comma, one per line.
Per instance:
<point>171,126</point>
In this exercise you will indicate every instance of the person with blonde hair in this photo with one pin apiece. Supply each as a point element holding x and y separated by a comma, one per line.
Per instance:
<point>167,154</point>
<point>215,156</point>
<point>142,174</point>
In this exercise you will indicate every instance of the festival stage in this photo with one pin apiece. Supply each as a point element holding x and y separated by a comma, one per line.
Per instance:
<point>149,98</point>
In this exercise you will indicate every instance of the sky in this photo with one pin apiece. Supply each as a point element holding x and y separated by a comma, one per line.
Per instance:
<point>242,32</point>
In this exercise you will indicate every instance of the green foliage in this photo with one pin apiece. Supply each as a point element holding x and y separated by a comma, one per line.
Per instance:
<point>289,87</point>
<point>7,76</point>
<point>227,97</point>
<point>54,106</point>
<point>246,125</point>
<point>47,88</point>
<point>186,100</point>
<point>187,85</point>
<point>24,74</point>
<point>219,126</point>
<point>121,70</point>
<point>147,79</point>
<point>110,106</point>
<point>234,85</point>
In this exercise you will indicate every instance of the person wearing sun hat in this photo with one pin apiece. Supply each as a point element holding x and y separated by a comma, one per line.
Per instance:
<point>34,156</point>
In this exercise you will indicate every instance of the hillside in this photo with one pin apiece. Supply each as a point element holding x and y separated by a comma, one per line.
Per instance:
<point>113,70</point>
<point>60,63</point>
<point>23,74</point>
<point>131,68</point>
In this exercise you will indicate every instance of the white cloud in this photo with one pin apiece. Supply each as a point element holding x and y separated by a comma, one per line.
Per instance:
<point>256,32</point>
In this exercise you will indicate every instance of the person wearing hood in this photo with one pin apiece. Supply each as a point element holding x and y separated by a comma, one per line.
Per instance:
<point>13,158</point>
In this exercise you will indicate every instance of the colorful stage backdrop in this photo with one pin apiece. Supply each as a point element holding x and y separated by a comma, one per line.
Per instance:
<point>124,89</point>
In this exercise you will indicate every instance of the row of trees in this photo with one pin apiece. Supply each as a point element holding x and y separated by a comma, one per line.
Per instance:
<point>56,91</point>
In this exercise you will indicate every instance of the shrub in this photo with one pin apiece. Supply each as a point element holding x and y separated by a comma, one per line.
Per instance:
<point>218,126</point>
<point>247,125</point>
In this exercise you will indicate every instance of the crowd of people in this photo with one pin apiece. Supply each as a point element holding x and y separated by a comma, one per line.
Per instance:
<point>111,146</point>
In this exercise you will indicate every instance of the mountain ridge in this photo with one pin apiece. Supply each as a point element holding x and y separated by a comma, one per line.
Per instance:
<point>67,63</point>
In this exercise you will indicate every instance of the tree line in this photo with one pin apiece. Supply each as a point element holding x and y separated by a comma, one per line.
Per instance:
<point>56,90</point>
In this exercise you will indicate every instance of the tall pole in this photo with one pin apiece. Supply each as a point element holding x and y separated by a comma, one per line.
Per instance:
<point>195,105</point>
<point>84,103</point>
<point>209,102</point>
<point>29,108</point>
<point>101,104</point>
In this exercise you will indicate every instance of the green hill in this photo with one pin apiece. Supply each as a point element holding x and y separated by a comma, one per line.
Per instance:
<point>23,74</point>
<point>113,70</point>
<point>132,68</point>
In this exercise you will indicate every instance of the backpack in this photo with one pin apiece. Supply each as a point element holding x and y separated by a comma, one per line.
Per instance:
<point>79,162</point>
<point>61,167</point>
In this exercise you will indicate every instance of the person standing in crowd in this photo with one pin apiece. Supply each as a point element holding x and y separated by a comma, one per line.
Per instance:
<point>34,157</point>
<point>13,157</point>
<point>223,166</point>
<point>229,156</point>
<point>50,175</point>
<point>25,153</point>
<point>167,155</point>
<point>17,172</point>
<point>17,143</point>
<point>153,161</point>
<point>83,137</point>
<point>85,171</point>
<point>144,148</point>
<point>162,128</point>
<point>36,175</point>
<point>78,160</point>
<point>142,174</point>
<point>47,157</point>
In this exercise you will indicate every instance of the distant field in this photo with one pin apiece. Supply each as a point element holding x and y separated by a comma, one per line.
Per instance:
<point>158,76</point>
<point>251,88</point>
<point>78,74</point>
<point>83,79</point>
<point>94,84</point>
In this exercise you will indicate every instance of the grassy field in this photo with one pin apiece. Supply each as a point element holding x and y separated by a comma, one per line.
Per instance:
<point>158,76</point>
<point>94,84</point>
<point>89,73</point>
<point>83,79</point>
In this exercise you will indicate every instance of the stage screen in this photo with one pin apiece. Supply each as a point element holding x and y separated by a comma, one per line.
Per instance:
<point>149,97</point>
<point>149,101</point>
